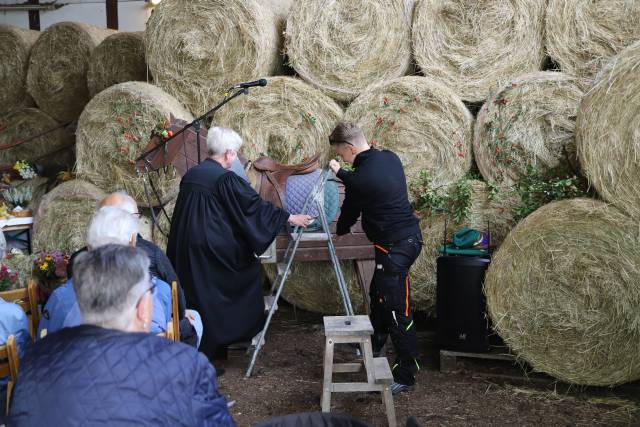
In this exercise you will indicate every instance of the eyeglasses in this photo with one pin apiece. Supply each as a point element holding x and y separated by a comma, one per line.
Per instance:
<point>136,214</point>
<point>151,289</point>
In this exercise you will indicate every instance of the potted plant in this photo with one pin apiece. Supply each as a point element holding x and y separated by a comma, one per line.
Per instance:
<point>18,198</point>
<point>50,269</point>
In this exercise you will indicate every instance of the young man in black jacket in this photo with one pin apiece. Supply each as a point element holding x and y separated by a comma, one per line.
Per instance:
<point>377,190</point>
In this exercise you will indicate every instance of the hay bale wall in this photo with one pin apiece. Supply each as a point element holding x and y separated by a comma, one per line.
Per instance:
<point>530,121</point>
<point>57,75</point>
<point>163,225</point>
<point>113,130</point>
<point>119,58</point>
<point>484,211</point>
<point>582,36</point>
<point>313,286</point>
<point>476,46</point>
<point>607,132</point>
<point>197,49</point>
<point>15,48</point>
<point>46,141</point>
<point>420,120</point>
<point>563,292</point>
<point>63,216</point>
<point>287,120</point>
<point>343,46</point>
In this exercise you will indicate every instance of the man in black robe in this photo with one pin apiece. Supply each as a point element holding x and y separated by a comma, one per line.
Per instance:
<point>219,225</point>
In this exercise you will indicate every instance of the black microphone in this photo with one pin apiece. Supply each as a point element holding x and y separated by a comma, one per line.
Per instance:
<point>261,82</point>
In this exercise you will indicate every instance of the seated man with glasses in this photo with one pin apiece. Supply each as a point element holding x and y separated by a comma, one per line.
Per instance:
<point>109,225</point>
<point>110,370</point>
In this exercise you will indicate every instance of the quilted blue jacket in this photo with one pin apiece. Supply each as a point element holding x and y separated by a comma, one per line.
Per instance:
<point>90,376</point>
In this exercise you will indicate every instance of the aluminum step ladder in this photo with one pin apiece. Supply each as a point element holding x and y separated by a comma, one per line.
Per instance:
<point>314,199</point>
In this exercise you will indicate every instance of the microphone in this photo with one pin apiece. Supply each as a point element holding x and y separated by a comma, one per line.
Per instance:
<point>261,82</point>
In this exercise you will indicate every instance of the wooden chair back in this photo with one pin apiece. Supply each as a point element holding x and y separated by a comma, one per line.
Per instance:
<point>175,315</point>
<point>27,298</point>
<point>9,365</point>
<point>173,326</point>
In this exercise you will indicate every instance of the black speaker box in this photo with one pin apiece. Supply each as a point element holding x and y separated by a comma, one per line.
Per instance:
<point>461,306</point>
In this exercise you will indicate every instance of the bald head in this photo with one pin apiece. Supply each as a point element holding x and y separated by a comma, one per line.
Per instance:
<point>121,200</point>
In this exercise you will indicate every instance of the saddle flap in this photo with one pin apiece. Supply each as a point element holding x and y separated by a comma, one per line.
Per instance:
<point>267,164</point>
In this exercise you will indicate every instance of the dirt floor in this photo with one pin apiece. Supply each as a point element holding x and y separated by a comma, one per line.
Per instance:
<point>288,379</point>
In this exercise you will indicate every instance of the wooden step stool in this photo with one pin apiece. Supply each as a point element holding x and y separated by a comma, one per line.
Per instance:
<point>356,330</point>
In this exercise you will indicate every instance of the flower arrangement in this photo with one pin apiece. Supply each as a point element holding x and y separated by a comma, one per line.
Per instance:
<point>50,267</point>
<point>8,278</point>
<point>162,131</point>
<point>26,169</point>
<point>18,196</point>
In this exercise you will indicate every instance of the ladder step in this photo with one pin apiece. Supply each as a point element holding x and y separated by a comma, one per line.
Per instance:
<point>382,371</point>
<point>312,237</point>
<point>269,300</point>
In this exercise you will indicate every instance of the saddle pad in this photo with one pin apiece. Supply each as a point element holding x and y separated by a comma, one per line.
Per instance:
<point>298,188</point>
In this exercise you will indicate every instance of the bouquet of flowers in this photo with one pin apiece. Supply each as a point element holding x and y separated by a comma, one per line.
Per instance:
<point>26,169</point>
<point>162,131</point>
<point>51,268</point>
<point>8,279</point>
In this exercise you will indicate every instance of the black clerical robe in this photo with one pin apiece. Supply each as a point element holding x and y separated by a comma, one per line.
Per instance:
<point>218,224</point>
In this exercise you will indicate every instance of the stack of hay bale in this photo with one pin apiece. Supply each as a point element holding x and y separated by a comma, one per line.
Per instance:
<point>561,289</point>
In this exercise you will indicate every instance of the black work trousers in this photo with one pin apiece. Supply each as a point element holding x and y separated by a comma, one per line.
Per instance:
<point>391,312</point>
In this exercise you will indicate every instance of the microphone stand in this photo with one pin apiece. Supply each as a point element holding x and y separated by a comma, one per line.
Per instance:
<point>195,124</point>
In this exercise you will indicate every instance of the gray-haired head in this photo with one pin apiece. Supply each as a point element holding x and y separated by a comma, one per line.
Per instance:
<point>120,199</point>
<point>109,282</point>
<point>219,140</point>
<point>112,225</point>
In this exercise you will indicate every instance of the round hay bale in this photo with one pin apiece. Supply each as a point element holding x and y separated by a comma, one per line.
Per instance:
<point>287,120</point>
<point>420,120</point>
<point>197,49</point>
<point>57,75</point>
<point>342,46</point>
<point>582,36</point>
<point>530,121</point>
<point>63,216</point>
<point>607,132</point>
<point>313,286</point>
<point>119,58</point>
<point>15,47</point>
<point>563,293</point>
<point>45,141</point>
<point>485,212</point>
<point>114,129</point>
<point>476,46</point>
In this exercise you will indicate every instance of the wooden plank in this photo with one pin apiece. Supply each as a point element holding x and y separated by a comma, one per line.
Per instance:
<point>112,14</point>
<point>356,326</point>
<point>350,387</point>
<point>322,254</point>
<point>347,367</point>
<point>356,239</point>
<point>34,17</point>
<point>382,371</point>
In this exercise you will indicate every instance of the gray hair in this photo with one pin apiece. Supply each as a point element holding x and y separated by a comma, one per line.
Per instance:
<point>109,281</point>
<point>219,140</point>
<point>111,224</point>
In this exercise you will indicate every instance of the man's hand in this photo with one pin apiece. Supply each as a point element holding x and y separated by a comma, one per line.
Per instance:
<point>334,165</point>
<point>300,220</point>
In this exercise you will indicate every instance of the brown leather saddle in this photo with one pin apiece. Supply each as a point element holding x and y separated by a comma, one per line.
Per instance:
<point>269,178</point>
